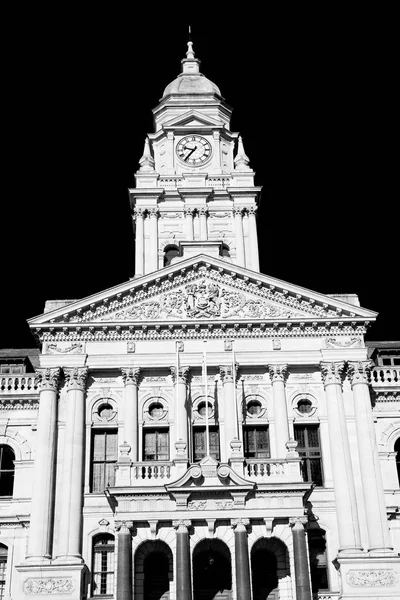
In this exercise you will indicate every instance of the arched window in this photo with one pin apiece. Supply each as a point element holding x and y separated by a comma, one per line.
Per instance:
<point>318,560</point>
<point>170,252</point>
<point>397,450</point>
<point>3,568</point>
<point>7,469</point>
<point>103,565</point>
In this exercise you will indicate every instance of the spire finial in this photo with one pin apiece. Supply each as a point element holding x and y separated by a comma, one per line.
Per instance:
<point>190,64</point>
<point>190,33</point>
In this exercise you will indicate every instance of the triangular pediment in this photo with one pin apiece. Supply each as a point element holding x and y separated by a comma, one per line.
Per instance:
<point>192,118</point>
<point>202,289</point>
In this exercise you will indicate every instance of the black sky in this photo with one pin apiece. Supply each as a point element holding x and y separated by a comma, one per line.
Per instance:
<point>314,98</point>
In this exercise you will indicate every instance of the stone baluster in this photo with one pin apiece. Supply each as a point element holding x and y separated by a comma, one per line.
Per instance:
<point>371,477</point>
<point>240,258</point>
<point>70,537</point>
<point>203,210</point>
<point>130,375</point>
<point>342,470</point>
<point>183,568</point>
<point>189,223</point>
<point>124,564</point>
<point>242,563</point>
<point>42,507</point>
<point>228,378</point>
<point>255,263</point>
<point>139,239</point>
<point>300,551</point>
<point>153,250</point>
<point>181,406</point>
<point>278,374</point>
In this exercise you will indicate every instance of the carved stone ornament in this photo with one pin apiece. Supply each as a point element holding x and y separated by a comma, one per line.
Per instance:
<point>332,372</point>
<point>182,525</point>
<point>372,578</point>
<point>48,379</point>
<point>48,585</point>
<point>359,371</point>
<point>123,526</point>
<point>227,374</point>
<point>278,372</point>
<point>240,524</point>
<point>130,375</point>
<point>353,342</point>
<point>75,377</point>
<point>183,374</point>
<point>72,349</point>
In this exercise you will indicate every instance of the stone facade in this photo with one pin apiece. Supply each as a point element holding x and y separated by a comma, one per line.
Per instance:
<point>202,430</point>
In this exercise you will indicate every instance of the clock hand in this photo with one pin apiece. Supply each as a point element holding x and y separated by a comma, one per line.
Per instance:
<point>191,152</point>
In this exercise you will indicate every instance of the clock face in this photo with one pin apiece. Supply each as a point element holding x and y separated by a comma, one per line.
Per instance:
<point>193,150</point>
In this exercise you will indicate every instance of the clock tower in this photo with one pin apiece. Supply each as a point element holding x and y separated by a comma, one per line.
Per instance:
<point>195,189</point>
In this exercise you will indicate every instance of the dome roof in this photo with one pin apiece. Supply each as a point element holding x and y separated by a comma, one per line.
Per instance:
<point>191,81</point>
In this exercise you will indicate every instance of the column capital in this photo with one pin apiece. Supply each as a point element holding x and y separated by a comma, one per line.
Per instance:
<point>48,379</point>
<point>278,372</point>
<point>124,526</point>
<point>252,210</point>
<point>240,524</point>
<point>75,377</point>
<point>188,211</point>
<point>183,374</point>
<point>138,212</point>
<point>332,372</point>
<point>227,373</point>
<point>298,522</point>
<point>238,211</point>
<point>202,210</point>
<point>130,375</point>
<point>153,212</point>
<point>359,371</point>
<point>182,525</point>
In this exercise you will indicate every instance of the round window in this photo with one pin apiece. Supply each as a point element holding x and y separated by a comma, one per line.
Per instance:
<point>106,411</point>
<point>156,410</point>
<point>202,409</point>
<point>254,407</point>
<point>304,406</point>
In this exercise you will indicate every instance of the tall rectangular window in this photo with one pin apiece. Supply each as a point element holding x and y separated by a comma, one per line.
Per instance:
<point>104,458</point>
<point>3,568</point>
<point>256,442</point>
<point>103,565</point>
<point>200,443</point>
<point>156,444</point>
<point>309,449</point>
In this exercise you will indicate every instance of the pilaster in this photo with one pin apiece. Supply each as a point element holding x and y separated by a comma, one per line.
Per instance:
<point>130,376</point>
<point>278,374</point>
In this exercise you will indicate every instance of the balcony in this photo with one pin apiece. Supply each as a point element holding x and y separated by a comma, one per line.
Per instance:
<point>388,377</point>
<point>18,384</point>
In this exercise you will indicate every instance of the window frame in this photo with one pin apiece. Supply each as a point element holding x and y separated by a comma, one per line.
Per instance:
<point>309,453</point>
<point>104,573</point>
<point>105,461</point>
<point>159,455</point>
<point>7,471</point>
<point>256,429</point>
<point>201,429</point>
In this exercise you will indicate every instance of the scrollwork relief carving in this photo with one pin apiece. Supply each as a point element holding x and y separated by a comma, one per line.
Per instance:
<point>372,578</point>
<point>49,585</point>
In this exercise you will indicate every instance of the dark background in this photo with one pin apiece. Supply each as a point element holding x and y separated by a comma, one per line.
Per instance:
<point>314,98</point>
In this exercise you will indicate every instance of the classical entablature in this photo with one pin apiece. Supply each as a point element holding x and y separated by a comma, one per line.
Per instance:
<point>204,292</point>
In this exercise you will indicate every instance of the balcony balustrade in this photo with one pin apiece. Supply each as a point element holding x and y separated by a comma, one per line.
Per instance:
<point>385,377</point>
<point>18,384</point>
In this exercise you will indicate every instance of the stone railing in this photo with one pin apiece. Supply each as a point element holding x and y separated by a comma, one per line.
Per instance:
<point>18,384</point>
<point>219,182</point>
<point>326,595</point>
<point>269,469</point>
<point>385,376</point>
<point>145,471</point>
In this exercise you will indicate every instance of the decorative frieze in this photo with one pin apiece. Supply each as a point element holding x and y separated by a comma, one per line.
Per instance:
<point>35,586</point>
<point>353,342</point>
<point>372,578</point>
<point>76,348</point>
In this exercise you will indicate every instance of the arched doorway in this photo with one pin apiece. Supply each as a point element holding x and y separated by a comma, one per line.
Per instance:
<point>212,571</point>
<point>153,571</point>
<point>269,563</point>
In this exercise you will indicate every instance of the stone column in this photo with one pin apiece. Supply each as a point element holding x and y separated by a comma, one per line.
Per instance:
<point>228,378</point>
<point>183,568</point>
<point>181,404</point>
<point>239,236</point>
<point>371,477</point>
<point>342,470</point>
<point>42,506</point>
<point>70,540</point>
<point>124,564</point>
<point>130,375</point>
<point>255,263</point>
<point>242,563</point>
<point>300,551</point>
<point>153,250</point>
<point>189,223</point>
<point>278,374</point>
<point>139,242</point>
<point>203,210</point>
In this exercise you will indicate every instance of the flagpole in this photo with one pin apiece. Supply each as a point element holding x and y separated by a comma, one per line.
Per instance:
<point>206,394</point>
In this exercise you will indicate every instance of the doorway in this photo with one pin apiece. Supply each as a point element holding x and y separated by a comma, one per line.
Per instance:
<point>212,572</point>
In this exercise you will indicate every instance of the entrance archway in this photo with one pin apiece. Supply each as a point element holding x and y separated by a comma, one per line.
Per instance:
<point>269,564</point>
<point>153,571</point>
<point>212,571</point>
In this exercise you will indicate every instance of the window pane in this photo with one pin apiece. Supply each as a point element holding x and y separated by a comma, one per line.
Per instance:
<point>214,444</point>
<point>111,446</point>
<point>299,436</point>
<point>99,444</point>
